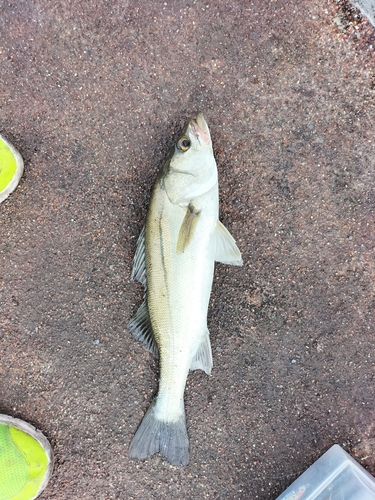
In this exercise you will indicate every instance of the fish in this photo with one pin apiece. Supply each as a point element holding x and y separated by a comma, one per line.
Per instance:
<point>174,261</point>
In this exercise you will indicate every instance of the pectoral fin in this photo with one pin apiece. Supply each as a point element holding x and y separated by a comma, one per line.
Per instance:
<point>226,249</point>
<point>188,227</point>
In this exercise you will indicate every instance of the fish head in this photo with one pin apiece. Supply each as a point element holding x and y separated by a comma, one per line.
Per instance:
<point>197,131</point>
<point>192,169</point>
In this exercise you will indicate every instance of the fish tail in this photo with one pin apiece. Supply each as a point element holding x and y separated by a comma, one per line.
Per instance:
<point>168,438</point>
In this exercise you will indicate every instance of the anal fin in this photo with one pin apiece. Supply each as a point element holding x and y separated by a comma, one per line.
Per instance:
<point>203,358</point>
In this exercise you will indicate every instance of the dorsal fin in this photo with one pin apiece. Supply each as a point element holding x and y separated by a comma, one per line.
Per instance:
<point>139,261</point>
<point>140,324</point>
<point>141,329</point>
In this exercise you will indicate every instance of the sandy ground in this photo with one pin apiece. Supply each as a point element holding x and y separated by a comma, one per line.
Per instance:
<point>93,94</point>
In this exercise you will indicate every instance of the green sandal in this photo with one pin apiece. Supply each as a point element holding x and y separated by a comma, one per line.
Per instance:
<point>26,460</point>
<point>11,168</point>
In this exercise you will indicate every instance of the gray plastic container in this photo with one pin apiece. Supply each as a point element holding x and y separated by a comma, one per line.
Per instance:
<point>334,476</point>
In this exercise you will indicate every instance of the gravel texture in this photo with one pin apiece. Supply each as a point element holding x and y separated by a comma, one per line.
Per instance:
<point>93,94</point>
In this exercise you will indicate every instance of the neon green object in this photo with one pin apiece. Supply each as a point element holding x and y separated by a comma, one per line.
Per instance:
<point>8,165</point>
<point>26,460</point>
<point>11,168</point>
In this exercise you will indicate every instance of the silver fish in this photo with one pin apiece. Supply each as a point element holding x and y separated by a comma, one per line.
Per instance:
<point>174,261</point>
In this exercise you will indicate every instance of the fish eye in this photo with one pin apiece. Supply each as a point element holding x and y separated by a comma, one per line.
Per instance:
<point>183,144</point>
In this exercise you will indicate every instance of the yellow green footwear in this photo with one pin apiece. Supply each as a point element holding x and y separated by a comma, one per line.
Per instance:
<point>11,168</point>
<point>26,460</point>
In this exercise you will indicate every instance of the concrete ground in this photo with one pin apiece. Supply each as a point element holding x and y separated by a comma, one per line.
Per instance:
<point>93,94</point>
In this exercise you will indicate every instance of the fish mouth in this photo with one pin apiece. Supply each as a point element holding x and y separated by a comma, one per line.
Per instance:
<point>199,129</point>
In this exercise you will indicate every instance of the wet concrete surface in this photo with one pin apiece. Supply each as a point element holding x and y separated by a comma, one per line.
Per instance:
<point>93,94</point>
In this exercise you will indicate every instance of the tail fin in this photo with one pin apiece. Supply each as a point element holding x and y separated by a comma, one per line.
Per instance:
<point>168,438</point>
